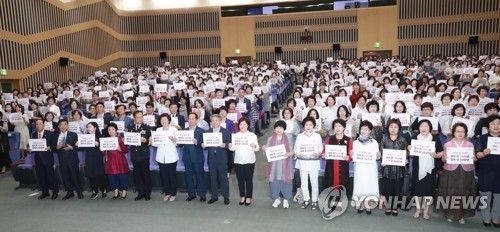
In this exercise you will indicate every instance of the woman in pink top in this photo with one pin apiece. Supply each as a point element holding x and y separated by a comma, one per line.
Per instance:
<point>457,179</point>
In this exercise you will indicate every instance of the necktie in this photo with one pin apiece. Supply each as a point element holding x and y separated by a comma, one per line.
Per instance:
<point>64,140</point>
<point>137,127</point>
<point>39,135</point>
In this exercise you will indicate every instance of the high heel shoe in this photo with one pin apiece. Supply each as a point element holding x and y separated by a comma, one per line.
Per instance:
<point>242,202</point>
<point>248,203</point>
<point>115,196</point>
<point>124,196</point>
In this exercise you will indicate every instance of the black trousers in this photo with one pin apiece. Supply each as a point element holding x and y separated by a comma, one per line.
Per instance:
<point>70,174</point>
<point>392,189</point>
<point>168,174</point>
<point>230,161</point>
<point>142,177</point>
<point>244,174</point>
<point>98,183</point>
<point>46,177</point>
<point>218,178</point>
<point>5,159</point>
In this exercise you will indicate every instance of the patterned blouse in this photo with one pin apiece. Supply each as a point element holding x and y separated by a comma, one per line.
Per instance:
<point>390,171</point>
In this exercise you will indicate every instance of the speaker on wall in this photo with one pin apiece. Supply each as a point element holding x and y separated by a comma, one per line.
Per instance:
<point>336,47</point>
<point>163,55</point>
<point>277,50</point>
<point>473,39</point>
<point>63,61</point>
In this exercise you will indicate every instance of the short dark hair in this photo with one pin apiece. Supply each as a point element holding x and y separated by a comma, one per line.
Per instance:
<point>150,103</point>
<point>62,120</point>
<point>491,118</point>
<point>308,119</point>
<point>367,124</point>
<point>394,121</point>
<point>400,102</point>
<point>459,124</point>
<point>371,103</point>
<point>478,90</point>
<point>311,110</point>
<point>243,119</point>
<point>280,123</point>
<point>455,107</point>
<point>192,113</point>
<point>166,116</point>
<point>137,112</point>
<point>426,105</point>
<point>112,125</point>
<point>339,121</point>
<point>425,121</point>
<point>347,114</point>
<point>491,106</point>
<point>287,109</point>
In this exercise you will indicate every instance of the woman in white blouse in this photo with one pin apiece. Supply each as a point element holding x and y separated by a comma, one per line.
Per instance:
<point>167,158</point>
<point>244,161</point>
<point>308,150</point>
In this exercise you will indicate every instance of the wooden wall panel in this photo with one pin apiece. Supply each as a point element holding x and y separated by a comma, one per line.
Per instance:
<point>429,27</point>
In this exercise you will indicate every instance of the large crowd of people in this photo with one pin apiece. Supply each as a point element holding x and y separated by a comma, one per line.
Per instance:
<point>361,109</point>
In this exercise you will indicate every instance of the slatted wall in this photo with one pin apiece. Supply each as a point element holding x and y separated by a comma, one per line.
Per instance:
<point>326,28</point>
<point>34,32</point>
<point>428,27</point>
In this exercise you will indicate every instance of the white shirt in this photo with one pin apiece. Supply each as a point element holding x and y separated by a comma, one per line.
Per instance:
<point>308,165</point>
<point>246,155</point>
<point>167,153</point>
<point>55,109</point>
<point>61,137</point>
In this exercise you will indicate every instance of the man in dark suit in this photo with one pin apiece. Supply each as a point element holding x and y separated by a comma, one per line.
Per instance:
<point>44,161</point>
<point>140,158</point>
<point>64,143</point>
<point>217,161</point>
<point>150,111</point>
<point>242,100</point>
<point>193,160</point>
<point>102,114</point>
<point>181,121</point>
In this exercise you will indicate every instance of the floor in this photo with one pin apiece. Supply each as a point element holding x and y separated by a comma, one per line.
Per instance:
<point>21,212</point>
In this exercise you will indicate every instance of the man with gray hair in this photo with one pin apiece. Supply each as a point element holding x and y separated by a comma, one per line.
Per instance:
<point>217,161</point>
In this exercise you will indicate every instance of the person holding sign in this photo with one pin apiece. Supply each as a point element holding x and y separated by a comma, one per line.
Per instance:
<point>279,173</point>
<point>393,175</point>
<point>194,160</point>
<point>116,165</point>
<point>458,111</point>
<point>292,128</point>
<point>457,179</point>
<point>426,109</point>
<point>65,145</point>
<point>44,161</point>
<point>4,145</point>
<point>365,174</point>
<point>140,158</point>
<point>49,120</point>
<point>244,161</point>
<point>176,117</point>
<point>241,99</point>
<point>167,157</point>
<point>489,161</point>
<point>77,118</point>
<point>21,126</point>
<point>400,108</point>
<point>424,168</point>
<point>378,129</point>
<point>121,116</point>
<point>490,109</point>
<point>217,161</point>
<point>336,170</point>
<point>101,114</point>
<point>94,165</point>
<point>307,150</point>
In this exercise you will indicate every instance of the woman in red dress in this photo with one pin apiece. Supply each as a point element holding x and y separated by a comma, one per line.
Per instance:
<point>116,165</point>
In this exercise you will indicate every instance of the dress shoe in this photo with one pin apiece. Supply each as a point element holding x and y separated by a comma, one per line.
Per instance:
<point>226,201</point>
<point>123,197</point>
<point>68,196</point>
<point>80,195</point>
<point>190,198</point>
<point>203,199</point>
<point>104,195</point>
<point>139,197</point>
<point>54,196</point>
<point>242,202</point>
<point>44,195</point>
<point>487,224</point>
<point>147,197</point>
<point>211,201</point>
<point>496,225</point>
<point>93,196</point>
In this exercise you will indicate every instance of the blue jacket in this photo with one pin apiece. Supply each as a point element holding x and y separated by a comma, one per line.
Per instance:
<point>191,152</point>
<point>217,155</point>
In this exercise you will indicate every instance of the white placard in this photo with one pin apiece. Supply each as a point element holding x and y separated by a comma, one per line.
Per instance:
<point>364,155</point>
<point>335,152</point>
<point>103,94</point>
<point>8,97</point>
<point>86,140</point>
<point>108,144</point>
<point>220,85</point>
<point>23,101</point>
<point>467,122</point>
<point>218,103</point>
<point>120,125</point>
<point>306,91</point>
<point>109,106</point>
<point>276,153</point>
<point>392,98</point>
<point>159,137</point>
<point>149,120</point>
<point>144,89</point>
<point>68,94</point>
<point>403,118</point>
<point>422,148</point>
<point>212,139</point>
<point>15,117</point>
<point>240,140</point>
<point>161,88</point>
<point>87,95</point>
<point>242,107</point>
<point>180,86</point>
<point>209,88</point>
<point>38,144</point>
<point>132,138</point>
<point>459,155</point>
<point>348,130</point>
<point>394,157</point>
<point>494,145</point>
<point>185,137</point>
<point>141,100</point>
<point>233,117</point>
<point>99,121</point>
<point>48,126</point>
<point>74,127</point>
<point>374,118</point>
<point>307,149</point>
